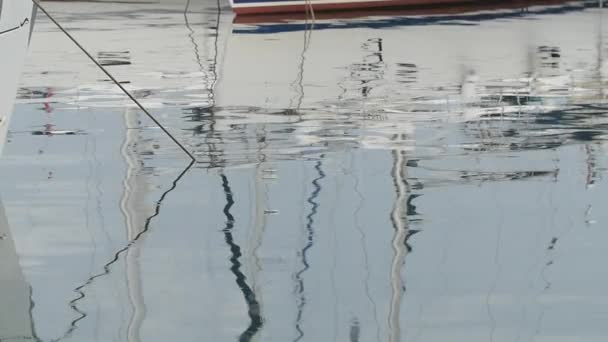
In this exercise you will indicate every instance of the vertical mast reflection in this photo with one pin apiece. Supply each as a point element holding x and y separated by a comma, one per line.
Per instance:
<point>310,220</point>
<point>398,243</point>
<point>131,207</point>
<point>253,307</point>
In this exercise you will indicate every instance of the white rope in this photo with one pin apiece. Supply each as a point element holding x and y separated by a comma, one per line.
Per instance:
<point>310,10</point>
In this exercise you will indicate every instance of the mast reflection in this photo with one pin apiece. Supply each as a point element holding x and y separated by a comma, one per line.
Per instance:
<point>310,232</point>
<point>253,307</point>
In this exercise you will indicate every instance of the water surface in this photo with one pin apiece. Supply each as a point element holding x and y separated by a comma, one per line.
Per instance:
<point>399,177</point>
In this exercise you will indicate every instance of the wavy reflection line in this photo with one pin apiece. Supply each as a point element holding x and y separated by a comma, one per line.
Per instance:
<point>214,152</point>
<point>550,253</point>
<point>297,84</point>
<point>591,163</point>
<point>209,109</point>
<point>398,244</point>
<point>80,290</point>
<point>100,194</point>
<point>334,257</point>
<point>363,238</point>
<point>255,240</point>
<point>528,275</point>
<point>91,166</point>
<point>215,47</point>
<point>310,220</point>
<point>498,268</point>
<point>20,25</point>
<point>545,289</point>
<point>197,54</point>
<point>87,207</point>
<point>216,50</point>
<point>131,196</point>
<point>549,257</point>
<point>31,312</point>
<point>253,307</point>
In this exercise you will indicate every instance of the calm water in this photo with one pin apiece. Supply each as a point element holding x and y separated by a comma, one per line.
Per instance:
<point>420,177</point>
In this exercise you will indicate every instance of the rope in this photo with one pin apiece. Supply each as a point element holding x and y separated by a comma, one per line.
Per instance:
<point>115,81</point>
<point>309,10</point>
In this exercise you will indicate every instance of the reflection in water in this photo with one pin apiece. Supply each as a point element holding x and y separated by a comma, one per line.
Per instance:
<point>372,69</point>
<point>355,329</point>
<point>399,242</point>
<point>363,239</point>
<point>204,115</point>
<point>592,173</point>
<point>497,271</point>
<point>297,85</point>
<point>259,221</point>
<point>131,206</point>
<point>114,58</point>
<point>463,108</point>
<point>16,319</point>
<point>310,232</point>
<point>253,307</point>
<point>107,267</point>
<point>197,53</point>
<point>210,73</point>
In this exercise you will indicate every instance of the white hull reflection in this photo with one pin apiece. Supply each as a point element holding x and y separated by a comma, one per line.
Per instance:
<point>431,67</point>
<point>16,22</point>
<point>16,323</point>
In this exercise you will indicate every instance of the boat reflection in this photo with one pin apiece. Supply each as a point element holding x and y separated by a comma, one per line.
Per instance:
<point>300,218</point>
<point>443,70</point>
<point>16,315</point>
<point>16,303</point>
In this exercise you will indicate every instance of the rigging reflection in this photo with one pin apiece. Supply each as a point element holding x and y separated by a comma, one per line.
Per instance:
<point>253,306</point>
<point>309,242</point>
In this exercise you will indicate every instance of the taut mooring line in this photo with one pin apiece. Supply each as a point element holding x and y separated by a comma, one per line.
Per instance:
<point>114,80</point>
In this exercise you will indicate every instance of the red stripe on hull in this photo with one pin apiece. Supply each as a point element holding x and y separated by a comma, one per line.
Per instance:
<point>459,8</point>
<point>342,6</point>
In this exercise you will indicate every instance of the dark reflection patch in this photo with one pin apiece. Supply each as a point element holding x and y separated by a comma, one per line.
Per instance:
<point>112,58</point>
